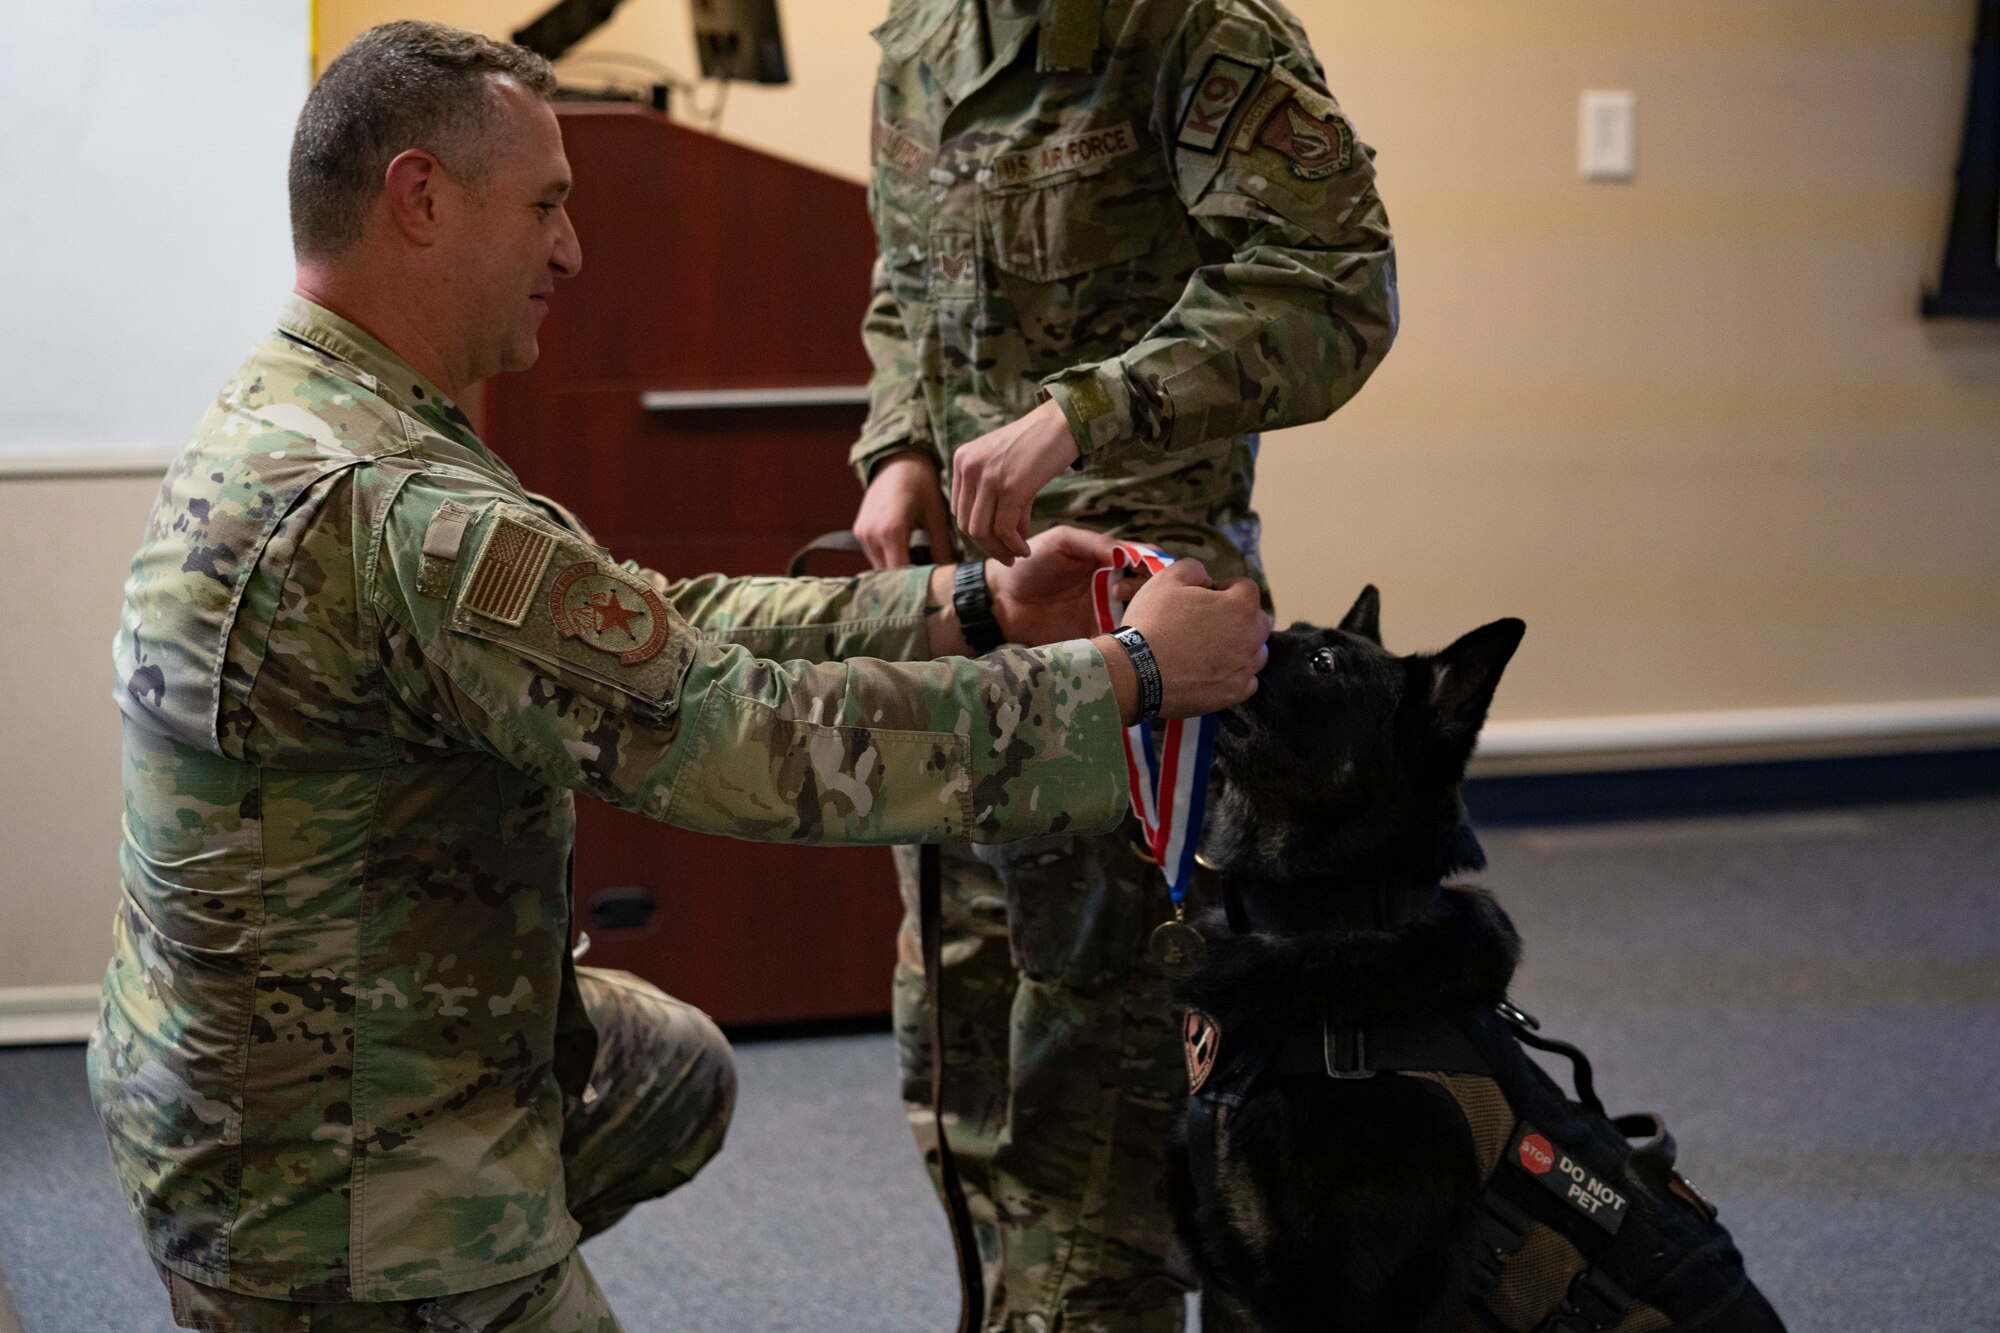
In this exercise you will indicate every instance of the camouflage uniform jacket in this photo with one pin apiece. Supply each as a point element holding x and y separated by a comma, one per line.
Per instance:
<point>360,670</point>
<point>1151,210</point>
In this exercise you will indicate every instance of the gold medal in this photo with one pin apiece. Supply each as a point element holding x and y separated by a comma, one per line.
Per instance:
<point>1178,949</point>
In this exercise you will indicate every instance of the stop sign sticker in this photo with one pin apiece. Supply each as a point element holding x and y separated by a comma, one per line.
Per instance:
<point>1563,1174</point>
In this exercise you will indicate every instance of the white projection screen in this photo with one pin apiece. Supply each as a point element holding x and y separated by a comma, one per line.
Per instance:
<point>142,146</point>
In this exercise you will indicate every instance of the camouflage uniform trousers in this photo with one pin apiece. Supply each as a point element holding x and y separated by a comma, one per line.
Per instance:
<point>1063,1069</point>
<point>655,1111</point>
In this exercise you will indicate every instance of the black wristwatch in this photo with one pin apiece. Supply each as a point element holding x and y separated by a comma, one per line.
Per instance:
<point>974,605</point>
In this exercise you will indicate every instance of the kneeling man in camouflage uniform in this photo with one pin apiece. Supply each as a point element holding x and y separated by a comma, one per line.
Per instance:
<point>350,1075</point>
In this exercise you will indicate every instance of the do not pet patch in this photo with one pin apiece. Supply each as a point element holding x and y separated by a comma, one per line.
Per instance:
<point>1568,1179</point>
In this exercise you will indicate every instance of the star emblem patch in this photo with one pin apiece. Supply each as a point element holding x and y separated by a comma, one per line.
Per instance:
<point>609,613</point>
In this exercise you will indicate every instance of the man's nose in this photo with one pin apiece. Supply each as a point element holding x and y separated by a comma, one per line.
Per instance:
<point>567,258</point>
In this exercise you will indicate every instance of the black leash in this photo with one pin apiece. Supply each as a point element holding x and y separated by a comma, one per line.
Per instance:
<point>930,931</point>
<point>930,924</point>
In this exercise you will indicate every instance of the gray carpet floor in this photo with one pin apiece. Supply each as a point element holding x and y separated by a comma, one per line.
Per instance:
<point>1813,1000</point>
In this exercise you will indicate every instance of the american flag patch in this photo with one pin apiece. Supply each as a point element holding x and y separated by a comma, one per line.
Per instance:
<point>508,570</point>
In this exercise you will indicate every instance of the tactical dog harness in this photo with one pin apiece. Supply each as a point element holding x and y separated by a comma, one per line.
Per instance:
<point>1581,1229</point>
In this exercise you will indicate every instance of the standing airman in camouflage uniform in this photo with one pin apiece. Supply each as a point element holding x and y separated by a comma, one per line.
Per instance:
<point>1116,239</point>
<point>350,1075</point>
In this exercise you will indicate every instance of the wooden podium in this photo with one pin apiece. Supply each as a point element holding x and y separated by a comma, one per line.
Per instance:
<point>699,385</point>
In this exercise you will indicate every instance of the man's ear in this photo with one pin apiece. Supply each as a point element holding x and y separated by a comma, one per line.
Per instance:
<point>411,188</point>
<point>1364,618</point>
<point>1463,678</point>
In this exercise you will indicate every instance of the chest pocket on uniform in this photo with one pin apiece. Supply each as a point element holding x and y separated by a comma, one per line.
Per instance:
<point>1048,232</point>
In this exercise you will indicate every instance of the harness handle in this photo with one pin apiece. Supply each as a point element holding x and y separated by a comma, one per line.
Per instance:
<point>1523,1026</point>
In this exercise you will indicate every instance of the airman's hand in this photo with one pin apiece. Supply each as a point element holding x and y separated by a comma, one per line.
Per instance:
<point>1209,641</point>
<point>1046,598</point>
<point>902,497</point>
<point>995,478</point>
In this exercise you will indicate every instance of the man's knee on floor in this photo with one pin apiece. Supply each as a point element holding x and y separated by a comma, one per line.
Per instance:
<point>667,1062</point>
<point>712,1078</point>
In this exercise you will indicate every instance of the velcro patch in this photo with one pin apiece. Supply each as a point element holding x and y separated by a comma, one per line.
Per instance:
<point>1566,1178</point>
<point>1065,154</point>
<point>508,568</point>
<point>1201,1040</point>
<point>1223,84</point>
<point>442,537</point>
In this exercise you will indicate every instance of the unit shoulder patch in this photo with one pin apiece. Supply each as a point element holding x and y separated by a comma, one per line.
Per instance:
<point>607,611</point>
<point>1201,1040</point>
<point>1222,86</point>
<point>1557,1171</point>
<point>1300,125</point>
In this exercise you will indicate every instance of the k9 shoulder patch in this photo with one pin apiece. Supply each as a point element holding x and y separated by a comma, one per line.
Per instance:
<point>1568,1179</point>
<point>1223,83</point>
<point>1201,1041</point>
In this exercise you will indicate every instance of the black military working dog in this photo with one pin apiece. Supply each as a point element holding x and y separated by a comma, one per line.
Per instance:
<point>1367,1146</point>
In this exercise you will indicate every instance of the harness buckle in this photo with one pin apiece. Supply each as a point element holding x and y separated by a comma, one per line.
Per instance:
<point>1503,1230</point>
<point>1330,1048</point>
<point>1594,1303</point>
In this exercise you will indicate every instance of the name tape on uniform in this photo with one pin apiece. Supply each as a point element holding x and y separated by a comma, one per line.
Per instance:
<point>1223,83</point>
<point>1064,154</point>
<point>1568,1179</point>
<point>898,149</point>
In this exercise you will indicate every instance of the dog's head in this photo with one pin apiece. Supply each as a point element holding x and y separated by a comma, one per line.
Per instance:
<point>1347,761</point>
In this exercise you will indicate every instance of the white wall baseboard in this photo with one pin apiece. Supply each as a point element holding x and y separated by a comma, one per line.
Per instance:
<point>1658,740</point>
<point>33,1014</point>
<point>44,464</point>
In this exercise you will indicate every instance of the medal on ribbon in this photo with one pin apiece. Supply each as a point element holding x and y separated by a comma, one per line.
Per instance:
<point>1167,766</point>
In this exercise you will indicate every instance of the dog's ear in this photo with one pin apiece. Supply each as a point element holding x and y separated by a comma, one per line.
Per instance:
<point>1364,618</point>
<point>1463,678</point>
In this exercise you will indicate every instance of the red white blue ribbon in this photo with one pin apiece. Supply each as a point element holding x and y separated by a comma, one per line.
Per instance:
<point>1169,780</point>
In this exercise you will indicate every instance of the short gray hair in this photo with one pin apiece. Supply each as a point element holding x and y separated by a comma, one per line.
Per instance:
<point>398,86</point>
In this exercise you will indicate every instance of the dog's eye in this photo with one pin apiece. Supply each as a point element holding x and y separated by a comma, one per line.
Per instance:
<point>1322,661</point>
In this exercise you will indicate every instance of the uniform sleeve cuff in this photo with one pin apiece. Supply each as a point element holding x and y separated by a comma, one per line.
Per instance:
<point>867,456</point>
<point>1097,403</point>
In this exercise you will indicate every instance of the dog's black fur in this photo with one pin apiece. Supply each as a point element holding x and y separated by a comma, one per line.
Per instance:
<point>1351,1204</point>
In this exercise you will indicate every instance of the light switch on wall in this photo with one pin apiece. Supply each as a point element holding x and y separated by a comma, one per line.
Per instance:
<point>1607,137</point>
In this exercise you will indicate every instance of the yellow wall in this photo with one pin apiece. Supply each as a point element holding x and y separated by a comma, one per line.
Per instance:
<point>1690,428</point>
